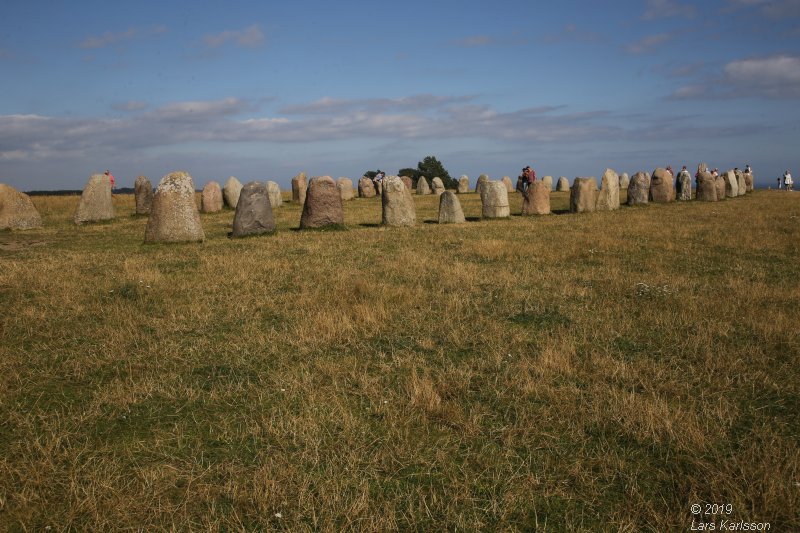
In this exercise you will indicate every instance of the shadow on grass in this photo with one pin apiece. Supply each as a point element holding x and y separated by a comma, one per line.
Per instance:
<point>322,229</point>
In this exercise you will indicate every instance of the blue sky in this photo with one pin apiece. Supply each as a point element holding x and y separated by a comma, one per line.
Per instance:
<point>264,90</point>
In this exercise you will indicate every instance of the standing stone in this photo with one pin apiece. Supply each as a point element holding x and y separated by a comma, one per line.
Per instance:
<point>583,195</point>
<point>274,193</point>
<point>345,186</point>
<point>299,186</point>
<point>494,199</point>
<point>323,206</point>
<point>719,182</point>
<point>742,182</point>
<point>379,187</point>
<point>508,183</point>
<point>174,216</point>
<point>748,181</point>
<point>639,189</point>
<point>702,167</point>
<point>366,189</point>
<point>96,202</point>
<point>231,191</point>
<point>408,183</point>
<point>422,186</point>
<point>211,198</point>
<point>536,200</point>
<point>731,184</point>
<point>562,184</point>
<point>624,181</point>
<point>463,186</point>
<point>253,212</point>
<point>548,181</point>
<point>143,194</point>
<point>608,198</point>
<point>683,186</point>
<point>450,211</point>
<point>397,204</point>
<point>17,211</point>
<point>437,185</point>
<point>706,187</point>
<point>483,178</point>
<point>661,188</point>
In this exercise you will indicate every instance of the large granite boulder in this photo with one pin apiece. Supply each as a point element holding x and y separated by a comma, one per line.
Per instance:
<point>397,203</point>
<point>494,199</point>
<point>624,181</point>
<point>548,181</point>
<point>536,200</point>
<point>608,197</point>
<point>274,193</point>
<point>639,189</point>
<point>742,183</point>
<point>211,198</point>
<point>143,195</point>
<point>483,178</point>
<point>299,187</point>
<point>731,184</point>
<point>323,205</point>
<point>231,191</point>
<point>508,183</point>
<point>583,195</point>
<point>96,202</point>
<point>408,183</point>
<point>345,186</point>
<point>174,216</point>
<point>437,185</point>
<point>450,211</point>
<point>17,211</point>
<point>366,189</point>
<point>683,186</point>
<point>253,212</point>
<point>719,182</point>
<point>562,184</point>
<point>706,187</point>
<point>463,185</point>
<point>662,189</point>
<point>422,186</point>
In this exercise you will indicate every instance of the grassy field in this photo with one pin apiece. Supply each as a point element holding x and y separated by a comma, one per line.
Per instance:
<point>601,371</point>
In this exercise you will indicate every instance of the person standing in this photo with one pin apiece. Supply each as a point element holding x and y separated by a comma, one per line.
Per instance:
<point>787,181</point>
<point>110,179</point>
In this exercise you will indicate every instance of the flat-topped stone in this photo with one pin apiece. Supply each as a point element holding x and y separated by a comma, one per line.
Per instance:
<point>174,216</point>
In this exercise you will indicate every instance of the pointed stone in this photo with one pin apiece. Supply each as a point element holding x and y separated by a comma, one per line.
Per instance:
<point>483,178</point>
<point>508,183</point>
<point>143,194</point>
<point>231,191</point>
<point>548,181</point>
<point>253,212</point>
<point>450,211</point>
<point>608,197</point>
<point>731,184</point>
<point>422,186</point>
<point>96,202</point>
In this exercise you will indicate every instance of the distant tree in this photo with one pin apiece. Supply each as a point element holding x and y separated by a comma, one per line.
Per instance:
<point>412,173</point>
<point>370,174</point>
<point>430,167</point>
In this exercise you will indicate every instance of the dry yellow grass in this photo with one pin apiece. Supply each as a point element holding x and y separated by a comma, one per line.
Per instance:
<point>595,371</point>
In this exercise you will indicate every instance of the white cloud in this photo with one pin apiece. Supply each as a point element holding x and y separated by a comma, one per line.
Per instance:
<point>249,37</point>
<point>647,44</point>
<point>418,102</point>
<point>109,37</point>
<point>658,9</point>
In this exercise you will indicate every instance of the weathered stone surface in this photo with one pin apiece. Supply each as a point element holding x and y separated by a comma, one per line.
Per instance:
<point>483,178</point>
<point>508,183</point>
<point>494,199</point>
<point>683,186</point>
<point>639,189</point>
<point>397,204</point>
<point>562,184</point>
<point>706,187</point>
<point>624,181</point>
<point>231,191</point>
<point>253,212</point>
<point>742,183</point>
<point>379,187</point>
<point>661,188</point>
<point>174,216</point>
<point>731,184</point>
<point>143,195</point>
<point>345,186</point>
<point>408,183</point>
<point>748,181</point>
<point>463,185</point>
<point>583,195</point>
<point>211,198</point>
<point>422,186</point>
<point>536,200</point>
<point>719,182</point>
<point>366,189</point>
<point>299,187</point>
<point>702,167</point>
<point>274,193</point>
<point>450,211</point>
<point>437,185</point>
<point>17,211</point>
<point>323,206</point>
<point>608,197</point>
<point>96,201</point>
<point>548,181</point>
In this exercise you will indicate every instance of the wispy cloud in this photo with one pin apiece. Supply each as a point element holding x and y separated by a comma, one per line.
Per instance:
<point>647,44</point>
<point>133,105</point>
<point>418,102</point>
<point>110,37</point>
<point>249,37</point>
<point>772,9</point>
<point>659,9</point>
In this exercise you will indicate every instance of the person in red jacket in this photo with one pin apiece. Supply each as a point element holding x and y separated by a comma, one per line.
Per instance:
<point>528,177</point>
<point>110,178</point>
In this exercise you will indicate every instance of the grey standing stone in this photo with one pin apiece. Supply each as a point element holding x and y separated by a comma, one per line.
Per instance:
<point>706,187</point>
<point>463,185</point>
<point>548,181</point>
<point>508,183</point>
<point>96,202</point>
<point>422,186</point>
<point>536,200</point>
<point>450,211</point>
<point>583,195</point>
<point>174,216</point>
<point>397,203</point>
<point>608,197</point>
<point>323,206</point>
<point>562,184</point>
<point>748,181</point>
<point>731,184</point>
<point>299,186</point>
<point>494,200</point>
<point>17,211</point>
<point>719,182</point>
<point>366,189</point>
<point>211,198</point>
<point>683,186</point>
<point>662,189</point>
<point>639,189</point>
<point>274,193</point>
<point>253,212</point>
<point>742,183</point>
<point>624,181</point>
<point>437,185</point>
<point>143,195</point>
<point>483,178</point>
<point>345,186</point>
<point>231,191</point>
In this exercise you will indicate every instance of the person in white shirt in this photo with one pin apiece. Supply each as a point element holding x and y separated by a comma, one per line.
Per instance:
<point>787,181</point>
